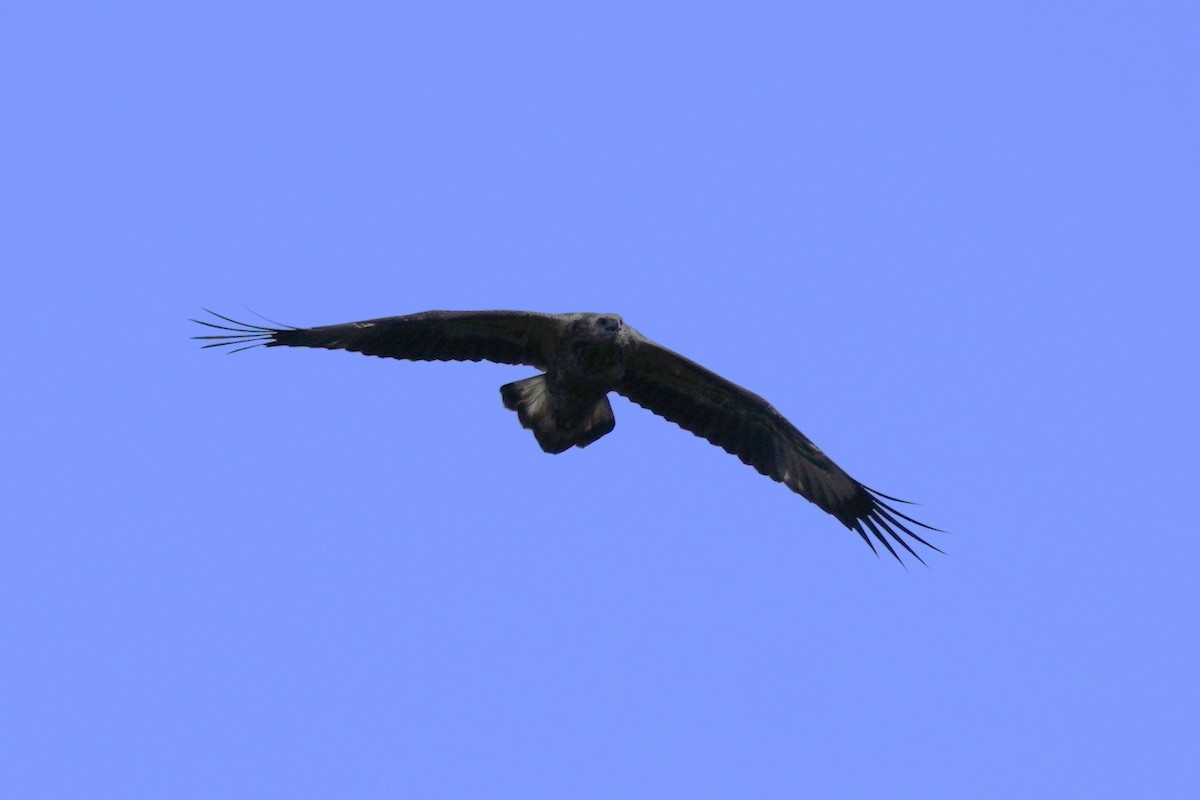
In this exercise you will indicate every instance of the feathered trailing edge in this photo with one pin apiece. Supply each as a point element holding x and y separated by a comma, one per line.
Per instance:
<point>245,334</point>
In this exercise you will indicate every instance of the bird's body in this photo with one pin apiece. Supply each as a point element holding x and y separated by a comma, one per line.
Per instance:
<point>568,405</point>
<point>584,357</point>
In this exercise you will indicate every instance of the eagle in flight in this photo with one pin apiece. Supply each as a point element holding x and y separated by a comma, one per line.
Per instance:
<point>583,357</point>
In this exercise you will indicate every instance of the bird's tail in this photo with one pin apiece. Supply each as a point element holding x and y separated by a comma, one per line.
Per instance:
<point>556,429</point>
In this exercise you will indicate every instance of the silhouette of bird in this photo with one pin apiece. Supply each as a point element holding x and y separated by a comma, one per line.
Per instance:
<point>583,357</point>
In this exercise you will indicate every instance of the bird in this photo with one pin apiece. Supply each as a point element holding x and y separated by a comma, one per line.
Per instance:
<point>582,357</point>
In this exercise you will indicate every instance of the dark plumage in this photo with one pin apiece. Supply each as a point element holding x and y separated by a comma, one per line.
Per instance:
<point>584,356</point>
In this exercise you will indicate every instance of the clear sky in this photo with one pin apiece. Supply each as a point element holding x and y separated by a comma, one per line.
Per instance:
<point>955,243</point>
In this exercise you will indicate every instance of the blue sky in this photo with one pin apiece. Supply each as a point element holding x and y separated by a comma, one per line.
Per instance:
<point>955,244</point>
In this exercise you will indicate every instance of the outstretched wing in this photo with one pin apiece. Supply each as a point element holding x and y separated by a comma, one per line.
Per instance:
<point>747,426</point>
<point>506,337</point>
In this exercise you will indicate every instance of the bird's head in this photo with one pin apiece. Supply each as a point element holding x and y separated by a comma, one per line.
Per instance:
<point>606,326</point>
